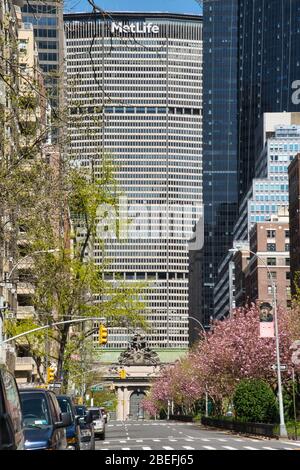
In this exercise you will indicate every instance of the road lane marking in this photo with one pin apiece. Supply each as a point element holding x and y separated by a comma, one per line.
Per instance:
<point>188,448</point>
<point>209,448</point>
<point>168,448</point>
<point>146,448</point>
<point>204,440</point>
<point>222,440</point>
<point>139,440</point>
<point>250,448</point>
<point>269,448</point>
<point>228,448</point>
<point>290,443</point>
<point>156,440</point>
<point>125,448</point>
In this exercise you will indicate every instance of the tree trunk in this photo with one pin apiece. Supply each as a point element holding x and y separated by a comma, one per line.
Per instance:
<point>38,363</point>
<point>62,345</point>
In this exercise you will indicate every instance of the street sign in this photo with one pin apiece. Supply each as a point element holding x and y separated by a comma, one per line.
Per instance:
<point>97,388</point>
<point>283,367</point>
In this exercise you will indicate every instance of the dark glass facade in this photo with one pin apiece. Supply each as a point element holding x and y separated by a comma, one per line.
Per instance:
<point>269,66</point>
<point>47,20</point>
<point>251,66</point>
<point>220,55</point>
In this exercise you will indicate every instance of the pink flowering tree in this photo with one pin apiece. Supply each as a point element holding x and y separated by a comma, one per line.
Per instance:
<point>230,352</point>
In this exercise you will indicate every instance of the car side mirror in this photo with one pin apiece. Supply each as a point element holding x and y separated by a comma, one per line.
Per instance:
<point>89,417</point>
<point>77,419</point>
<point>7,433</point>
<point>66,420</point>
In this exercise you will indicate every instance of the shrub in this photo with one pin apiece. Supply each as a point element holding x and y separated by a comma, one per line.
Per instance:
<point>254,401</point>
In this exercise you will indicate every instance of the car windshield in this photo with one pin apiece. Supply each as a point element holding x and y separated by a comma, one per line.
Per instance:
<point>35,410</point>
<point>65,405</point>
<point>96,414</point>
<point>80,410</point>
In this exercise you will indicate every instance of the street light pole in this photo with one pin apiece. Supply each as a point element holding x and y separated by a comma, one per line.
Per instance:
<point>206,394</point>
<point>283,430</point>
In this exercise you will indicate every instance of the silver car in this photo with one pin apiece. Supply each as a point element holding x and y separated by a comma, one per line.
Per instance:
<point>99,422</point>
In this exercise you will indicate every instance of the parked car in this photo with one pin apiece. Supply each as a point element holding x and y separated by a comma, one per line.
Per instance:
<point>87,439</point>
<point>98,421</point>
<point>73,430</point>
<point>11,426</point>
<point>44,423</point>
<point>104,413</point>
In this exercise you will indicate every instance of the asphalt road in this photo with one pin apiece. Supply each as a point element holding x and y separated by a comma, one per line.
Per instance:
<point>168,435</point>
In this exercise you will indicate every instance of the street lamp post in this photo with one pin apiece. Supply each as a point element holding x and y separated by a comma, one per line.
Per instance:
<point>203,329</point>
<point>283,430</point>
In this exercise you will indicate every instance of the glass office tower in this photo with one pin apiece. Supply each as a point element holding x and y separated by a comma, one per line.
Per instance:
<point>47,20</point>
<point>252,66</point>
<point>269,69</point>
<point>220,56</point>
<point>135,93</point>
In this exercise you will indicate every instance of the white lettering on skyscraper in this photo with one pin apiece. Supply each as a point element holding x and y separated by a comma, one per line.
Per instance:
<point>134,28</point>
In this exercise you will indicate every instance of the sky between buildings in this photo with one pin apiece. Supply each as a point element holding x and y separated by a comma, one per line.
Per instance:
<point>174,6</point>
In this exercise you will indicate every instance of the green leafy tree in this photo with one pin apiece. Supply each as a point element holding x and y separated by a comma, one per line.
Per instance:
<point>255,401</point>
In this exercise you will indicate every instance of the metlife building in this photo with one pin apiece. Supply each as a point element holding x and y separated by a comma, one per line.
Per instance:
<point>135,93</point>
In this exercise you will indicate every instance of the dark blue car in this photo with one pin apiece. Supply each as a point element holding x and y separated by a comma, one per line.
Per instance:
<point>73,430</point>
<point>44,423</point>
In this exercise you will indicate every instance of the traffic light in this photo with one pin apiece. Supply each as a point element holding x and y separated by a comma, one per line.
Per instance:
<point>122,374</point>
<point>103,334</point>
<point>50,375</point>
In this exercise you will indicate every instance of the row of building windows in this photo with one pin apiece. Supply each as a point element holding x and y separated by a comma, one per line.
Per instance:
<point>273,247</point>
<point>48,56</point>
<point>272,187</point>
<point>30,8</point>
<point>134,109</point>
<point>272,233</point>
<point>273,261</point>
<point>42,21</point>
<point>47,44</point>
<point>281,158</point>
<point>45,33</point>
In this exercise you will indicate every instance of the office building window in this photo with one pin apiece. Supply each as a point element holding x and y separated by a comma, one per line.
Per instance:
<point>271,233</point>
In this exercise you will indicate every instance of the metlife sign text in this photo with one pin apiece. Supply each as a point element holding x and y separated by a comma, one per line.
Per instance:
<point>134,28</point>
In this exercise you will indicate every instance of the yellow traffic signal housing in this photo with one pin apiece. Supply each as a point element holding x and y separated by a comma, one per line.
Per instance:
<point>122,374</point>
<point>50,375</point>
<point>103,334</point>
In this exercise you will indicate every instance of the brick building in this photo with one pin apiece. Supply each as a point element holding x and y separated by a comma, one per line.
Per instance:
<point>270,241</point>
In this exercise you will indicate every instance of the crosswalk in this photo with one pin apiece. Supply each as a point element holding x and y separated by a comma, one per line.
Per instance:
<point>173,437</point>
<point>197,447</point>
